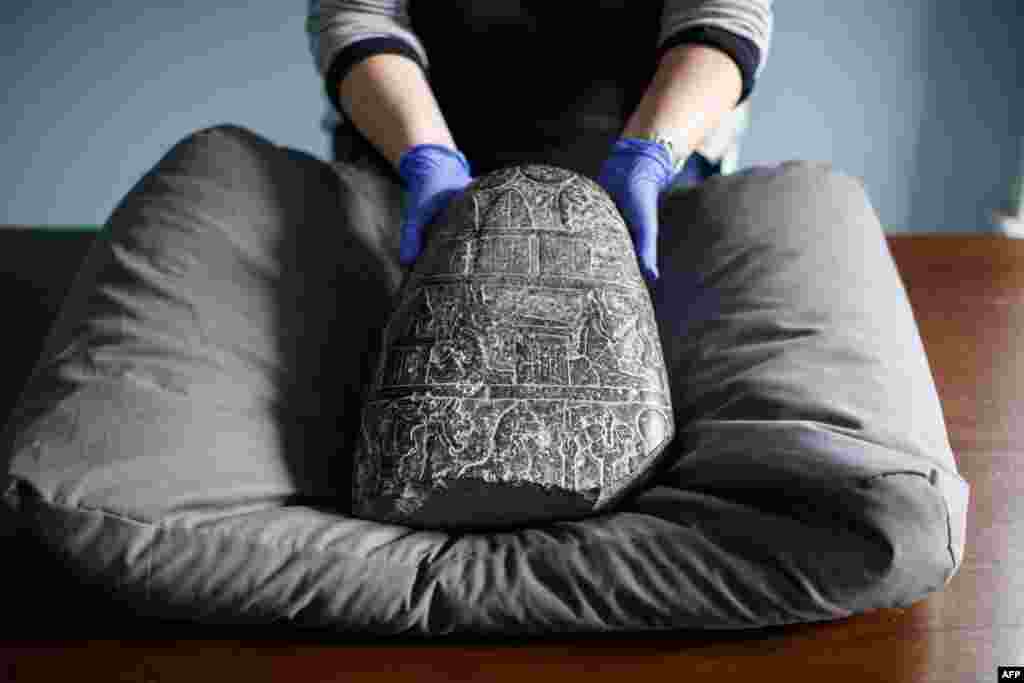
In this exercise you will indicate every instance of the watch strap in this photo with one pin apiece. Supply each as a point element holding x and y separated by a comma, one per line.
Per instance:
<point>675,158</point>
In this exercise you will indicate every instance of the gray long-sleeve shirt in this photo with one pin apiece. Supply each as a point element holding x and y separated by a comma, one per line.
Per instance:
<point>343,32</point>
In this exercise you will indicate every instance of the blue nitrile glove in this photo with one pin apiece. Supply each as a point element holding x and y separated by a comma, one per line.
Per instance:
<point>433,175</point>
<point>634,175</point>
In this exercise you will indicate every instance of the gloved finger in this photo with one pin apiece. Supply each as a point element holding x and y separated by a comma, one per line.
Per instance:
<point>646,243</point>
<point>415,222</point>
<point>643,227</point>
<point>410,243</point>
<point>409,246</point>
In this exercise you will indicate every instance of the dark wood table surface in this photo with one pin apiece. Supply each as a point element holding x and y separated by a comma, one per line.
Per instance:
<point>967,292</point>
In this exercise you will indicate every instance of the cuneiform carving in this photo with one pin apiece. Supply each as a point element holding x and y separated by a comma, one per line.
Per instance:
<point>523,352</point>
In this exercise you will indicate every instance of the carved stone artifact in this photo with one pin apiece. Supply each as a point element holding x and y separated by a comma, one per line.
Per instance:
<point>521,376</point>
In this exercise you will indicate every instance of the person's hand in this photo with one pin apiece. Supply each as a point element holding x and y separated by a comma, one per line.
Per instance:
<point>634,175</point>
<point>433,175</point>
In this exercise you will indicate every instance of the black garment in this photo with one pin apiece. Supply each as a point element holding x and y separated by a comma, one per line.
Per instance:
<point>534,84</point>
<point>529,81</point>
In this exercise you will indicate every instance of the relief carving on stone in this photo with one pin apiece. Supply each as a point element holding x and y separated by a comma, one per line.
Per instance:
<point>523,350</point>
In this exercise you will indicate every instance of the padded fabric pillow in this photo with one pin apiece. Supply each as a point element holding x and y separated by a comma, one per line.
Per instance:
<point>186,440</point>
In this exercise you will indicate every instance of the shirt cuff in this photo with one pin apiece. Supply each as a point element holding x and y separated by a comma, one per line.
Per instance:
<point>357,52</point>
<point>742,50</point>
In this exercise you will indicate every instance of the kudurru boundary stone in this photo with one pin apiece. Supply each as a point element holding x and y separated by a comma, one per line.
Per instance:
<point>521,378</point>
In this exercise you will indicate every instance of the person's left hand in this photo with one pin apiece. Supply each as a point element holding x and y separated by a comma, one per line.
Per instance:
<point>634,175</point>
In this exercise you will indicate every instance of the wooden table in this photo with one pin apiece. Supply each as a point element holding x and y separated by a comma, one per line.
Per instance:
<point>968,297</point>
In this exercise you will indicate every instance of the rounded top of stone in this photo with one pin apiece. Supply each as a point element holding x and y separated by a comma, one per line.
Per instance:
<point>534,197</point>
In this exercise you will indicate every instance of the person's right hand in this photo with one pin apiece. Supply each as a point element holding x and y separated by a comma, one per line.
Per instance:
<point>433,175</point>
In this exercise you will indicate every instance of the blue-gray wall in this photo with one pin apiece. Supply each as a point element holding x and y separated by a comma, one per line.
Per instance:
<point>923,99</point>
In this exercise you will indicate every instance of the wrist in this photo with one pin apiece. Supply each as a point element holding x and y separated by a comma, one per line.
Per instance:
<point>630,154</point>
<point>675,154</point>
<point>420,158</point>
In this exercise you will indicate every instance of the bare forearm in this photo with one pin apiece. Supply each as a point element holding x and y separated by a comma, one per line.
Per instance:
<point>693,88</point>
<point>387,97</point>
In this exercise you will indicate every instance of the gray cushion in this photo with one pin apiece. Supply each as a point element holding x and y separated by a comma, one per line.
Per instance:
<point>187,438</point>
